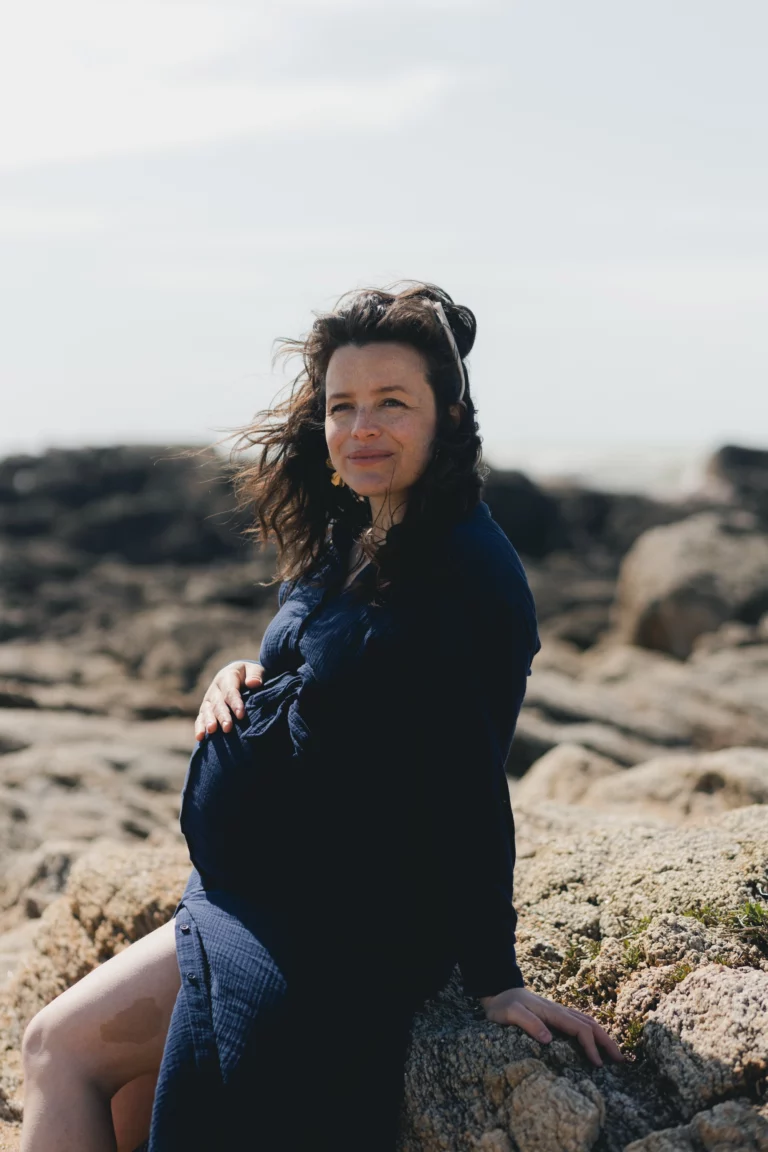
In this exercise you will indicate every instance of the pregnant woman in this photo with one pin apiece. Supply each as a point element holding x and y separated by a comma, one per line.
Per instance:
<point>350,826</point>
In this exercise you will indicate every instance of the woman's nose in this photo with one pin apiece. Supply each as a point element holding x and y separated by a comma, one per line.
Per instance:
<point>365,423</point>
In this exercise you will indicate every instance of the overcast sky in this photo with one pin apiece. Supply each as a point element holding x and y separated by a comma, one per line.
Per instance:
<point>182,182</point>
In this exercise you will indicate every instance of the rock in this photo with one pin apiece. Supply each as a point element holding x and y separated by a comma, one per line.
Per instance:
<point>113,897</point>
<point>564,774</point>
<point>170,645</point>
<point>671,938</point>
<point>15,946</point>
<point>733,1126</point>
<point>10,1134</point>
<point>567,701</point>
<point>530,517</point>
<point>588,876</point>
<point>33,879</point>
<point>567,582</point>
<point>741,474</point>
<point>681,580</point>
<point>582,626</point>
<point>81,778</point>
<point>146,505</point>
<point>681,787</point>
<point>74,790</point>
<point>536,734</point>
<point>48,663</point>
<point>628,704</point>
<point>709,1037</point>
<point>472,1084</point>
<point>608,523</point>
<point>728,636</point>
<point>556,518</point>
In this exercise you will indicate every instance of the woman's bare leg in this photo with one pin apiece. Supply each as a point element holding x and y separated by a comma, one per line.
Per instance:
<point>102,1033</point>
<point>132,1111</point>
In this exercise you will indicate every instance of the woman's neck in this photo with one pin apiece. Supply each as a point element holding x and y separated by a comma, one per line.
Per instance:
<point>386,510</point>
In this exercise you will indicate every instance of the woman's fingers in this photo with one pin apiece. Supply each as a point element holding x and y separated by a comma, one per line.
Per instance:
<point>533,1013</point>
<point>206,721</point>
<point>521,1016</point>
<point>223,698</point>
<point>220,708</point>
<point>603,1038</point>
<point>253,673</point>
<point>228,682</point>
<point>586,1030</point>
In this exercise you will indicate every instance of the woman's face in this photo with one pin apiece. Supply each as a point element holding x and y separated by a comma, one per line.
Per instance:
<point>380,419</point>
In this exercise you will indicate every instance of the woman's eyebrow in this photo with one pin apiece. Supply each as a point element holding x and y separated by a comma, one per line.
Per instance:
<point>383,388</point>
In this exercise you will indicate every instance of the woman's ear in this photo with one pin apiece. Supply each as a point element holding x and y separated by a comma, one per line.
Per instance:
<point>456,411</point>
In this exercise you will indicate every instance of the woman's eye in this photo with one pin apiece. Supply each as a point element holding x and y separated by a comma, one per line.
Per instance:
<point>345,405</point>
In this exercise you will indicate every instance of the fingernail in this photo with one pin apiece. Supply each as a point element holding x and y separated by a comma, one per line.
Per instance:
<point>545,1035</point>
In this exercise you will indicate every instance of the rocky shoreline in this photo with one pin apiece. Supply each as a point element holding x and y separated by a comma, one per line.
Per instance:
<point>639,780</point>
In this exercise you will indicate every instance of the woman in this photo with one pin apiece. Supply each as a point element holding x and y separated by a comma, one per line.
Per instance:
<point>350,829</point>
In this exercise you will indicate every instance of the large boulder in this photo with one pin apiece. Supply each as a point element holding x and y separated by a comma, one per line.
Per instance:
<point>472,1084</point>
<point>684,579</point>
<point>680,787</point>
<point>564,774</point>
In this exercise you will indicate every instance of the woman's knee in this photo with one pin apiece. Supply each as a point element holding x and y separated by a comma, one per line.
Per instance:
<point>109,1027</point>
<point>45,1048</point>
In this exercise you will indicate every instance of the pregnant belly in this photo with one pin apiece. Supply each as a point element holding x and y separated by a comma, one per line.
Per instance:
<point>241,802</point>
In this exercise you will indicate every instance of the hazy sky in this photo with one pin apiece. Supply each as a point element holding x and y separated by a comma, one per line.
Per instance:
<point>181,182</point>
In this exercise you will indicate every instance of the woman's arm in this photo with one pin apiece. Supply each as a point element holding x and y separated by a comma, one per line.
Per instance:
<point>479,633</point>
<point>481,629</point>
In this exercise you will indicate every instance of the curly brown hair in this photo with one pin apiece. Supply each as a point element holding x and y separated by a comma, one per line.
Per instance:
<point>289,485</point>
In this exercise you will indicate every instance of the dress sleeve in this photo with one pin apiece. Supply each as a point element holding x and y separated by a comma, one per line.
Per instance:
<point>477,642</point>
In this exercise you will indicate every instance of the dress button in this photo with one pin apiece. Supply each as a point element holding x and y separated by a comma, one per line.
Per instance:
<point>191,977</point>
<point>184,928</point>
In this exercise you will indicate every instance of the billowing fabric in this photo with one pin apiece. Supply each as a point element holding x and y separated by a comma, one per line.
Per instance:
<point>352,840</point>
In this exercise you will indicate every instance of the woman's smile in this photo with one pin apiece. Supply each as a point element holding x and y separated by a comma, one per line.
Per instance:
<point>369,455</point>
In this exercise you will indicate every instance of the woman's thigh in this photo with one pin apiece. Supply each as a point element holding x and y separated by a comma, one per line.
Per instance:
<point>111,1026</point>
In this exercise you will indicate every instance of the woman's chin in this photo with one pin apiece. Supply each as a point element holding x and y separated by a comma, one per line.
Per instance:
<point>368,487</point>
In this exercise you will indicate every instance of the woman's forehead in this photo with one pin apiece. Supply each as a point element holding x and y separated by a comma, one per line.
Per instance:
<point>376,366</point>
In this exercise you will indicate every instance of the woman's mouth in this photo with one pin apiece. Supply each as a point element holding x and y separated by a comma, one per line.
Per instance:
<point>372,457</point>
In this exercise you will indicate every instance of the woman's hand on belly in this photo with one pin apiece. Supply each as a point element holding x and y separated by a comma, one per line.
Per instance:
<point>533,1013</point>
<point>222,697</point>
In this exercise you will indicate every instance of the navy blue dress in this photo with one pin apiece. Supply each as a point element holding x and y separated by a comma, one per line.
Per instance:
<point>352,841</point>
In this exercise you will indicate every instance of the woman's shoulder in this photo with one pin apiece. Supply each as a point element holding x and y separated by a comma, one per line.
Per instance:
<point>483,573</point>
<point>479,551</point>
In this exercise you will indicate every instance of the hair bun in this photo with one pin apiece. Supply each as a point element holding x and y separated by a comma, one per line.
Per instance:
<point>463,325</point>
<point>461,319</point>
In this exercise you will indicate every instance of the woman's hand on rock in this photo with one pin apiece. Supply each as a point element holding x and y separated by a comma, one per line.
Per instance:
<point>533,1013</point>
<point>223,696</point>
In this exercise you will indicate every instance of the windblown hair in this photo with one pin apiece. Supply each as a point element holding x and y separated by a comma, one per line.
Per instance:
<point>289,484</point>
